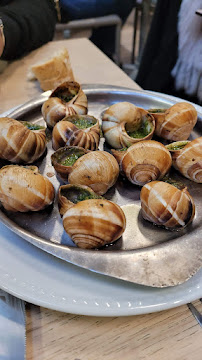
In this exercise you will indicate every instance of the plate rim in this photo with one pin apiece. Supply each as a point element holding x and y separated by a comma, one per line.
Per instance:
<point>35,297</point>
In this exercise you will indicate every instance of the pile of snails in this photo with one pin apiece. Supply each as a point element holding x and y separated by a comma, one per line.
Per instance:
<point>90,220</point>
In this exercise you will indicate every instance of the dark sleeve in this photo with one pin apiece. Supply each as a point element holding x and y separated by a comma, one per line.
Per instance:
<point>161,49</point>
<point>28,24</point>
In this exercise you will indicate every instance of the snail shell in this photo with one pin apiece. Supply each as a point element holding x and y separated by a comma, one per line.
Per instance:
<point>24,189</point>
<point>163,204</point>
<point>18,143</point>
<point>64,158</point>
<point>124,124</point>
<point>175,123</point>
<point>77,130</point>
<point>67,99</point>
<point>188,159</point>
<point>145,161</point>
<point>91,223</point>
<point>97,169</point>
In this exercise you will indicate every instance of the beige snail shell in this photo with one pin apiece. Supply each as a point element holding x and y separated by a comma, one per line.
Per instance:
<point>165,205</point>
<point>64,158</point>
<point>97,169</point>
<point>77,130</point>
<point>91,223</point>
<point>145,161</point>
<point>18,143</point>
<point>24,189</point>
<point>175,123</point>
<point>67,99</point>
<point>124,124</point>
<point>188,158</point>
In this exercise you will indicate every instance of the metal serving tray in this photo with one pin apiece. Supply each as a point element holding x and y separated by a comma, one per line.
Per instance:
<point>145,254</point>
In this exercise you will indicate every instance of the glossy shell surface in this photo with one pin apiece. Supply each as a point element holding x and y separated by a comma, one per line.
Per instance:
<point>57,108</point>
<point>165,205</point>
<point>23,189</point>
<point>65,132</point>
<point>177,122</point>
<point>124,117</point>
<point>19,144</point>
<point>145,161</point>
<point>189,160</point>
<point>94,223</point>
<point>97,169</point>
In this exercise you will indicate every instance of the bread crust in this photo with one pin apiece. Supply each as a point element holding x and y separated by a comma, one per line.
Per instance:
<point>54,71</point>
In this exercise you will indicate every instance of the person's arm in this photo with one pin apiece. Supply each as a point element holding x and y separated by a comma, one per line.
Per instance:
<point>28,24</point>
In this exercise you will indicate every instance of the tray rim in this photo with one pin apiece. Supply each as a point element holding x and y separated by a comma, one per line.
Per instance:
<point>51,247</point>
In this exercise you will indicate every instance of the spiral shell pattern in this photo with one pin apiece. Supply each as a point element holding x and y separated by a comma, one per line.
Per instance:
<point>124,117</point>
<point>145,161</point>
<point>189,160</point>
<point>94,223</point>
<point>98,169</point>
<point>67,133</point>
<point>165,205</point>
<point>177,122</point>
<point>22,189</point>
<point>55,108</point>
<point>18,144</point>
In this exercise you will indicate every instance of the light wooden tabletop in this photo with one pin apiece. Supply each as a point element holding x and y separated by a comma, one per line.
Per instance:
<point>172,334</point>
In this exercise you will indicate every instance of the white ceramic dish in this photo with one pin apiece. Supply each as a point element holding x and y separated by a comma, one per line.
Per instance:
<point>42,279</point>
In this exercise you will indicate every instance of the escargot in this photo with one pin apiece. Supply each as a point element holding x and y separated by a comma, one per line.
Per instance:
<point>64,158</point>
<point>20,141</point>
<point>77,130</point>
<point>187,158</point>
<point>124,124</point>
<point>96,169</point>
<point>24,189</point>
<point>144,161</point>
<point>165,205</point>
<point>88,219</point>
<point>67,99</point>
<point>175,123</point>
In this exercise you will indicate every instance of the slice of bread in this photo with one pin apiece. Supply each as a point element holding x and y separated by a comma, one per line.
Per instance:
<point>53,72</point>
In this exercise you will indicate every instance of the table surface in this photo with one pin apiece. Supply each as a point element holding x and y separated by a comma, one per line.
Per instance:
<point>174,333</point>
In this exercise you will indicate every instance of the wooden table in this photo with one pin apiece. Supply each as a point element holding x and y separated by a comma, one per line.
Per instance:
<point>172,334</point>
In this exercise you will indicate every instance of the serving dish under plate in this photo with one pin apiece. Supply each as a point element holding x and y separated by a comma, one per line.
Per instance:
<point>146,254</point>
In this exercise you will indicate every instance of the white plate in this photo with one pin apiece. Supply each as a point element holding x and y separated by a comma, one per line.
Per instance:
<point>42,279</point>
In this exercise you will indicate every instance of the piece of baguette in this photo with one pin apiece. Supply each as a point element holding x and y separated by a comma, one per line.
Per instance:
<point>53,72</point>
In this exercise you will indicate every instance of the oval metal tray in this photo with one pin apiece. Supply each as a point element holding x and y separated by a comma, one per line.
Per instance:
<point>146,254</point>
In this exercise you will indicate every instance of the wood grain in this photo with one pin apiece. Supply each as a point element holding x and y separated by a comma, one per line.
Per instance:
<point>172,334</point>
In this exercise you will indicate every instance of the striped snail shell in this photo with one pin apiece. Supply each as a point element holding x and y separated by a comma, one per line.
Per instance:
<point>97,169</point>
<point>24,189</point>
<point>67,99</point>
<point>187,158</point>
<point>124,124</point>
<point>145,161</point>
<point>18,143</point>
<point>175,123</point>
<point>77,130</point>
<point>88,219</point>
<point>165,205</point>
